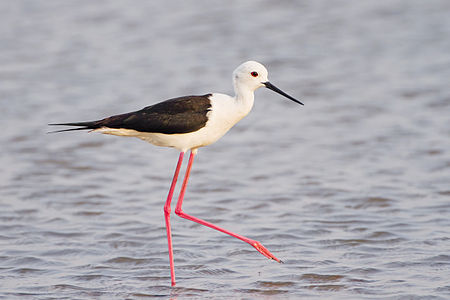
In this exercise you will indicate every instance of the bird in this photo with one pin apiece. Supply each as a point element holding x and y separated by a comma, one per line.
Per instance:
<point>188,123</point>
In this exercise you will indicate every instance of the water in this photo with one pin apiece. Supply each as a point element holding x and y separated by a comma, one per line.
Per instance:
<point>351,190</point>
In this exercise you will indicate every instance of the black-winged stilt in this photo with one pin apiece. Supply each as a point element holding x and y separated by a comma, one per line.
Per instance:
<point>188,123</point>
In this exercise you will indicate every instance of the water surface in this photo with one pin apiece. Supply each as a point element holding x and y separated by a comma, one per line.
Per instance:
<point>351,191</point>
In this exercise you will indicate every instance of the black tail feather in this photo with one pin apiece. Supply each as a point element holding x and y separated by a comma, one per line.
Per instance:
<point>84,126</point>
<point>72,129</point>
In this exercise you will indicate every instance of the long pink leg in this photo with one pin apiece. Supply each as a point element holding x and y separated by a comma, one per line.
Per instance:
<point>167,216</point>
<point>179,212</point>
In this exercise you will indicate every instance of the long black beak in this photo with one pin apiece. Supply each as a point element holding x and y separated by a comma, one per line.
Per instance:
<point>275,89</point>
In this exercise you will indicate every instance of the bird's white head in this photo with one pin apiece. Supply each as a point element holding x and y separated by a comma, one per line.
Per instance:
<point>252,75</point>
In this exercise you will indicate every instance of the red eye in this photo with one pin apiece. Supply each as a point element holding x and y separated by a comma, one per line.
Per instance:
<point>254,74</point>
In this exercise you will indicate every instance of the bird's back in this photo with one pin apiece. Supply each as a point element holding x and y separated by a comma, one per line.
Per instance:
<point>177,115</point>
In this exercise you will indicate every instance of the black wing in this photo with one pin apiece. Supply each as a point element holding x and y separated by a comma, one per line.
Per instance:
<point>178,115</point>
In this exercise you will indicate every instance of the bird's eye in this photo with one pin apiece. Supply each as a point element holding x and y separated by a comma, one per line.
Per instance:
<point>254,74</point>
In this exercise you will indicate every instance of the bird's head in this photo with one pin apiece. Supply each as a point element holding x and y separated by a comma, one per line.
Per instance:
<point>252,75</point>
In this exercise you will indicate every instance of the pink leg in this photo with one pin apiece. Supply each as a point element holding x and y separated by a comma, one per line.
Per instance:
<point>179,212</point>
<point>167,216</point>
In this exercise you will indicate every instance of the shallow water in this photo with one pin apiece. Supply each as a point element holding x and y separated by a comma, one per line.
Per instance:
<point>351,191</point>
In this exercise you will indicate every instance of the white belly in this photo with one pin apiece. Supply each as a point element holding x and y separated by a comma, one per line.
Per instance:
<point>183,142</point>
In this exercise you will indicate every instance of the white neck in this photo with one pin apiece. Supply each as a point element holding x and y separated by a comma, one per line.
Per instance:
<point>244,98</point>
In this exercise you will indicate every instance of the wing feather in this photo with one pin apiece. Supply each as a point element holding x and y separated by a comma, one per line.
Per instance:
<point>177,115</point>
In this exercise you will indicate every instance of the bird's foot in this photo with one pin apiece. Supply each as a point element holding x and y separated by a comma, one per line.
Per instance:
<point>263,250</point>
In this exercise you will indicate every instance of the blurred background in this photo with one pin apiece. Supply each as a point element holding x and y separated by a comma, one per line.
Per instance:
<point>351,190</point>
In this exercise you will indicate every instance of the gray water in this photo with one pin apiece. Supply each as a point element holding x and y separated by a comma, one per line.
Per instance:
<point>351,190</point>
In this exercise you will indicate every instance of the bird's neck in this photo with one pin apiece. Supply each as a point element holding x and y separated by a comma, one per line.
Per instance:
<point>244,99</point>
